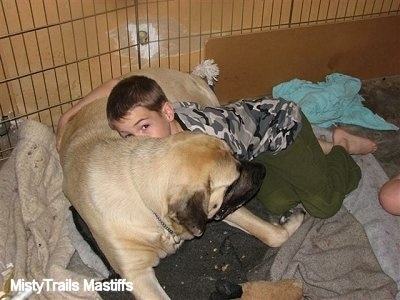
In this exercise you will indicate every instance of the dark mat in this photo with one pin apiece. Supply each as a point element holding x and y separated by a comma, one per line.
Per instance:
<point>223,252</point>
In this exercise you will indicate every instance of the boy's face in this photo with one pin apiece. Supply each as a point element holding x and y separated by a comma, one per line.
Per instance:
<point>142,121</point>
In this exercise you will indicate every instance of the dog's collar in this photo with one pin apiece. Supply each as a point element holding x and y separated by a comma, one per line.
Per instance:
<point>176,238</point>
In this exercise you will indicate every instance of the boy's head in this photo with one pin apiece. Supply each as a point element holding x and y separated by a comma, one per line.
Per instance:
<point>138,106</point>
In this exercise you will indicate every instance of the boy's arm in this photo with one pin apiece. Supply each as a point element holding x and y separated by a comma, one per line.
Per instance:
<point>98,93</point>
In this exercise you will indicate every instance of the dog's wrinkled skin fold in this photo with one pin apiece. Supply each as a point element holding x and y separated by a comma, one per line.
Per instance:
<point>118,186</point>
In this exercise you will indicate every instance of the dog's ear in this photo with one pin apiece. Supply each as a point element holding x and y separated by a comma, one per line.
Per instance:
<point>190,213</point>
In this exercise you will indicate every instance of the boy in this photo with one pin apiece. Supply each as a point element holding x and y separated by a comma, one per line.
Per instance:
<point>271,131</point>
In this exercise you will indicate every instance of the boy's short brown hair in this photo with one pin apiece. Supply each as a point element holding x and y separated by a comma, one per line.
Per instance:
<point>131,92</point>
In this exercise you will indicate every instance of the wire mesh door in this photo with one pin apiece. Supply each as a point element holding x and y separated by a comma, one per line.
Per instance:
<point>53,52</point>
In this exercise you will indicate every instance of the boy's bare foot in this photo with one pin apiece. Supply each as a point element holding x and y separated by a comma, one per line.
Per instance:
<point>352,143</point>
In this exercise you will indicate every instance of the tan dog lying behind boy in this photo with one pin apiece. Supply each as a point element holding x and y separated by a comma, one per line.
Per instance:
<point>142,197</point>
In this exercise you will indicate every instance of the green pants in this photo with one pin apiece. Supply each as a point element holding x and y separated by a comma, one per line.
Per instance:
<point>304,174</point>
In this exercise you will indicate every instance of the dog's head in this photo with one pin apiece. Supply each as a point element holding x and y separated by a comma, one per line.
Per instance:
<point>207,182</point>
<point>243,189</point>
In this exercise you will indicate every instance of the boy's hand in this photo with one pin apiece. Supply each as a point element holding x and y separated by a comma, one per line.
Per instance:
<point>62,122</point>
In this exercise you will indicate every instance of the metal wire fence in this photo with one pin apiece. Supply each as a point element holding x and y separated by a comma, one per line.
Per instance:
<point>53,52</point>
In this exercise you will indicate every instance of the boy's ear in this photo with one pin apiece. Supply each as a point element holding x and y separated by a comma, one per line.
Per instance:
<point>168,110</point>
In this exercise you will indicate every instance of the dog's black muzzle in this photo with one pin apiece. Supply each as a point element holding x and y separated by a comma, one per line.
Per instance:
<point>243,189</point>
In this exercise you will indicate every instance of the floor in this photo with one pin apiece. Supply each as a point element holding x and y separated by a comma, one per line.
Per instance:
<point>382,96</point>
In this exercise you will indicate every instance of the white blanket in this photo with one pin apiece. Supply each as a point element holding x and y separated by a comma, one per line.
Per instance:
<point>34,235</point>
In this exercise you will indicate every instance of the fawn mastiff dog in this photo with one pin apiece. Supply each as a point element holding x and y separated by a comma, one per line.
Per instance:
<point>140,198</point>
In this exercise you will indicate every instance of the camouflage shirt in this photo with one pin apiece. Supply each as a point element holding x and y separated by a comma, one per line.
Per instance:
<point>250,127</point>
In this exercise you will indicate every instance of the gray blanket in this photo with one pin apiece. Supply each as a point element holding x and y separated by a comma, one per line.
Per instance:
<point>332,257</point>
<point>334,260</point>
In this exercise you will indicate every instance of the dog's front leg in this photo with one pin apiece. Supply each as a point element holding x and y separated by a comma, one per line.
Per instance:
<point>273,235</point>
<point>146,285</point>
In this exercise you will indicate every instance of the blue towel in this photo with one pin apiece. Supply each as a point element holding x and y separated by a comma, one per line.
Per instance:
<point>334,101</point>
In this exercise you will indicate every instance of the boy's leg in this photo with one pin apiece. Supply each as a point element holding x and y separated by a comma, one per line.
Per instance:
<point>276,194</point>
<point>303,173</point>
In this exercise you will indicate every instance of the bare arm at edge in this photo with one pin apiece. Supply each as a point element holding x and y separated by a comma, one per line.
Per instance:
<point>98,93</point>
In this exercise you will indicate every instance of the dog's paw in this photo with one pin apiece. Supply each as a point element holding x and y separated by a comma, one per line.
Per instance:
<point>294,221</point>
<point>285,217</point>
<point>294,213</point>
